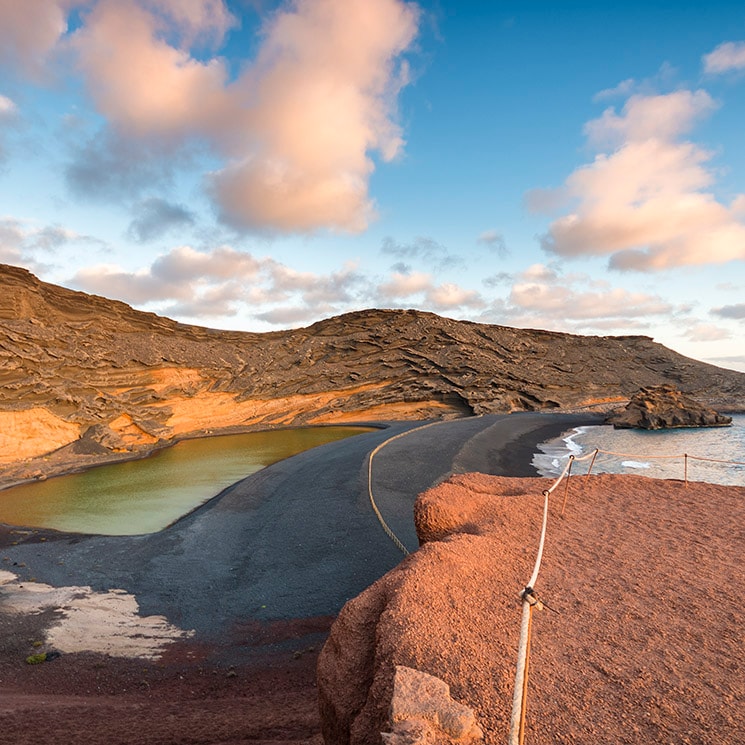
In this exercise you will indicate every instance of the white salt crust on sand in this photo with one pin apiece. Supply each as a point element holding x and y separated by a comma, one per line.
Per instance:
<point>88,621</point>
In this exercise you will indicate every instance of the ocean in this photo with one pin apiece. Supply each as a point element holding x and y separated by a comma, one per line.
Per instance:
<point>658,454</point>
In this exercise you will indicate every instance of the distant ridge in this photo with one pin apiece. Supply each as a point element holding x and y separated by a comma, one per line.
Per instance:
<point>93,379</point>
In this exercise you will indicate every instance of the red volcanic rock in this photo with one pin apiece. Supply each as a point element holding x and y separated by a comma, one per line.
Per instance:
<point>645,647</point>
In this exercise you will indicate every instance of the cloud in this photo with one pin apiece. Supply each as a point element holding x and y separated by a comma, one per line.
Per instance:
<point>30,31</point>
<point>295,133</point>
<point>322,99</point>
<point>566,302</point>
<point>647,118</point>
<point>11,241</point>
<point>109,167</point>
<point>205,21</point>
<point>726,57</point>
<point>446,296</point>
<point>622,90</point>
<point>139,82</point>
<point>498,279</point>
<point>24,244</point>
<point>449,295</point>
<point>54,236</point>
<point>288,316</point>
<point>422,249</point>
<point>8,118</point>
<point>539,273</point>
<point>542,297</point>
<point>8,108</point>
<point>736,311</point>
<point>494,241</point>
<point>294,136</point>
<point>706,332</point>
<point>216,301</point>
<point>733,362</point>
<point>185,282</point>
<point>155,217</point>
<point>647,202</point>
<point>405,285</point>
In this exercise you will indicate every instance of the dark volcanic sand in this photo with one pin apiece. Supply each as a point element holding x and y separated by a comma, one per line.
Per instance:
<point>245,679</point>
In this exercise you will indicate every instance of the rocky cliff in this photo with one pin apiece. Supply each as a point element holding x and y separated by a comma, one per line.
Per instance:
<point>85,379</point>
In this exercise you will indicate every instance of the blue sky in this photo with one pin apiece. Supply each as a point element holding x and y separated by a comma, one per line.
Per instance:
<point>575,166</point>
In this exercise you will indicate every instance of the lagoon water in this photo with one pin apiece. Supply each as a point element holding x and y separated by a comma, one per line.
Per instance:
<point>144,496</point>
<point>643,450</point>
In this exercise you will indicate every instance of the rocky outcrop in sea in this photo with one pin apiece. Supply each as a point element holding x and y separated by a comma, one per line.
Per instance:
<point>665,407</point>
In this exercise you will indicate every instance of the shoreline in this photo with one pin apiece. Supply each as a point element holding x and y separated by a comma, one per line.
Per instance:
<point>69,467</point>
<point>249,655</point>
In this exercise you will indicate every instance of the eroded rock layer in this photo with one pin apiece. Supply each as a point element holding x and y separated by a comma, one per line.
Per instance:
<point>90,379</point>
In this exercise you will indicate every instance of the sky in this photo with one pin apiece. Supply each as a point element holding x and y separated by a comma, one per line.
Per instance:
<point>260,165</point>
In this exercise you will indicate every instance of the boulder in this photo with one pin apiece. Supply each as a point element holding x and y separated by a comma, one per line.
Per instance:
<point>422,711</point>
<point>664,407</point>
<point>431,614</point>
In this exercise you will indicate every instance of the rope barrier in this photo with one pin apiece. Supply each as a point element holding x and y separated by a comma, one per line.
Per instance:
<point>399,545</point>
<point>685,456</point>
<point>531,601</point>
<point>670,457</point>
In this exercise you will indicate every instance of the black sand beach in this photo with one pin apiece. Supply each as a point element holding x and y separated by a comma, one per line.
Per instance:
<point>258,573</point>
<point>295,540</point>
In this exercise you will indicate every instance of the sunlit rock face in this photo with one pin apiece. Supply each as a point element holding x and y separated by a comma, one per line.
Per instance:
<point>665,407</point>
<point>86,379</point>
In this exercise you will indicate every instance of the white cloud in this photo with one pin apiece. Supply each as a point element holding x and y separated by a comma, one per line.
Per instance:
<point>707,332</point>
<point>187,283</point>
<point>622,90</point>
<point>294,134</point>
<point>449,295</point>
<point>565,302</point>
<point>539,273</point>
<point>7,107</point>
<point>143,85</point>
<point>648,202</point>
<point>196,20</point>
<point>647,118</point>
<point>403,285</point>
<point>29,32</point>
<point>323,98</point>
<point>432,296</point>
<point>25,244</point>
<point>726,57</point>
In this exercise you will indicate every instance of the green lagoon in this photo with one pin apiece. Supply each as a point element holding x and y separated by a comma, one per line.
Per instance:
<point>144,496</point>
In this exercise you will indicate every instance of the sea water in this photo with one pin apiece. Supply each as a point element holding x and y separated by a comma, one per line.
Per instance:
<point>144,496</point>
<point>656,453</point>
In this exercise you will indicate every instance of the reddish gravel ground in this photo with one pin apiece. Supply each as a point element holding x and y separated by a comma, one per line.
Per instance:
<point>193,695</point>
<point>646,576</point>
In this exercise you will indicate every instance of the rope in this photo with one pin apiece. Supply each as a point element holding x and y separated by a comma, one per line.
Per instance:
<point>400,546</point>
<point>530,601</point>
<point>529,598</point>
<point>670,457</point>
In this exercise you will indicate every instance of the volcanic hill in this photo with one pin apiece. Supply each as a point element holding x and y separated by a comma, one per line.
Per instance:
<point>85,379</point>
